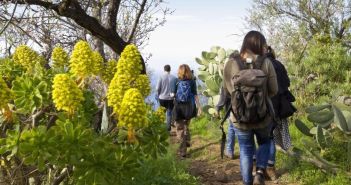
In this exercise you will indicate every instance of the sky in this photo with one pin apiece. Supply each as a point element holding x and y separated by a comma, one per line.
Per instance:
<point>196,26</point>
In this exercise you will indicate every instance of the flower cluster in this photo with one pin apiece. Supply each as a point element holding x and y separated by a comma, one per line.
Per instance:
<point>26,57</point>
<point>66,94</point>
<point>118,86</point>
<point>109,71</point>
<point>133,110</point>
<point>160,114</point>
<point>5,94</point>
<point>127,76</point>
<point>142,83</point>
<point>82,60</point>
<point>130,61</point>
<point>59,57</point>
<point>98,62</point>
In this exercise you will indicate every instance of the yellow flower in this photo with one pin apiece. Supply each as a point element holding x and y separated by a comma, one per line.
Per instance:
<point>26,57</point>
<point>143,84</point>
<point>82,60</point>
<point>130,61</point>
<point>5,94</point>
<point>160,113</point>
<point>118,86</point>
<point>139,118</point>
<point>59,57</point>
<point>109,71</point>
<point>65,94</point>
<point>98,62</point>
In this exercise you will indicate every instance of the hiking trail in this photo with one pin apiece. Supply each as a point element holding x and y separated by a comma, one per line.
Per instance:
<point>207,165</point>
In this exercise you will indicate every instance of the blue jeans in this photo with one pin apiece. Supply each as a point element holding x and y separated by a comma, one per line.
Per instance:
<point>169,118</point>
<point>230,138</point>
<point>272,150</point>
<point>247,150</point>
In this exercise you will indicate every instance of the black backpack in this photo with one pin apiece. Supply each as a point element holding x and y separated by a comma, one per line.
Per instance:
<point>282,102</point>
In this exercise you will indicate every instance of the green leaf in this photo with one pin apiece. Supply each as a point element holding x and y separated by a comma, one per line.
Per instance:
<point>203,75</point>
<point>303,128</point>
<point>340,119</point>
<point>211,55</point>
<point>212,85</point>
<point>221,54</point>
<point>317,108</point>
<point>320,116</point>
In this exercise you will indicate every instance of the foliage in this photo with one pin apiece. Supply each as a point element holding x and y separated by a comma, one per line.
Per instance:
<point>46,121</point>
<point>211,73</point>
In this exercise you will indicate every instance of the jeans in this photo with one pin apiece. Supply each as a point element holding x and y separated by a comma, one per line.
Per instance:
<point>272,150</point>
<point>168,104</point>
<point>169,118</point>
<point>230,138</point>
<point>247,150</point>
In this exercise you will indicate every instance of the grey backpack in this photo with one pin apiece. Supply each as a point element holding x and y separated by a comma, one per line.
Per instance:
<point>249,99</point>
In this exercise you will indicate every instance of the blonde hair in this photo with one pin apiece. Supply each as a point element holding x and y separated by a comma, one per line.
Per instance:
<point>184,72</point>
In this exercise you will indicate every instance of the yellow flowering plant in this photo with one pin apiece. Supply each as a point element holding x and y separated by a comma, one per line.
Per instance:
<point>59,57</point>
<point>55,121</point>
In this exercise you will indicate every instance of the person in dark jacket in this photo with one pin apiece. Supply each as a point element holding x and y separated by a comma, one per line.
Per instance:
<point>283,109</point>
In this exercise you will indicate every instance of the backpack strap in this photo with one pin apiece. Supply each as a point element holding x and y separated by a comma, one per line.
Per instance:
<point>259,61</point>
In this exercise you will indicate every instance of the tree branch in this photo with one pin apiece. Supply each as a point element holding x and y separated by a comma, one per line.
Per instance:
<point>136,22</point>
<point>72,9</point>
<point>112,13</point>
<point>8,22</point>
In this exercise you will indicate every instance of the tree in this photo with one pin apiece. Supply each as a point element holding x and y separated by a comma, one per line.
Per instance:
<point>290,25</point>
<point>114,22</point>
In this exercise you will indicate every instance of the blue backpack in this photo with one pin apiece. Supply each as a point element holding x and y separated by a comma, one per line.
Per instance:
<point>184,93</point>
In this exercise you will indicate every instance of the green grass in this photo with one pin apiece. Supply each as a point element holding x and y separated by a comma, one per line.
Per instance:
<point>164,171</point>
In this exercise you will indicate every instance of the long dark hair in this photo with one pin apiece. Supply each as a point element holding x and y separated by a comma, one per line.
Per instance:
<point>254,41</point>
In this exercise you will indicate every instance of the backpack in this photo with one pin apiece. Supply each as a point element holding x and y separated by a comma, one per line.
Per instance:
<point>183,93</point>
<point>282,101</point>
<point>184,105</point>
<point>248,100</point>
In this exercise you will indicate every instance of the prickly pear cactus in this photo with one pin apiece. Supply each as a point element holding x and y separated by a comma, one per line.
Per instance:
<point>327,120</point>
<point>211,73</point>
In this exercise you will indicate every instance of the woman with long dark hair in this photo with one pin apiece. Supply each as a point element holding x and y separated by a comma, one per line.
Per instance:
<point>251,54</point>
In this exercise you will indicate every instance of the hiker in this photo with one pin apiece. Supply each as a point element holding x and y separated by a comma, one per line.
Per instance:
<point>224,101</point>
<point>283,109</point>
<point>250,79</point>
<point>164,96</point>
<point>186,102</point>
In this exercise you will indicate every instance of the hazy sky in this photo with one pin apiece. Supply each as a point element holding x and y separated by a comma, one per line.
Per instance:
<point>195,26</point>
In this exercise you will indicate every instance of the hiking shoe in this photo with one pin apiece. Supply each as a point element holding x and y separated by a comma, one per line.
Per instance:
<point>271,173</point>
<point>188,144</point>
<point>258,180</point>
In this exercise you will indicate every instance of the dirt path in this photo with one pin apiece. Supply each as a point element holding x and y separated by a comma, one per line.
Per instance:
<point>207,165</point>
